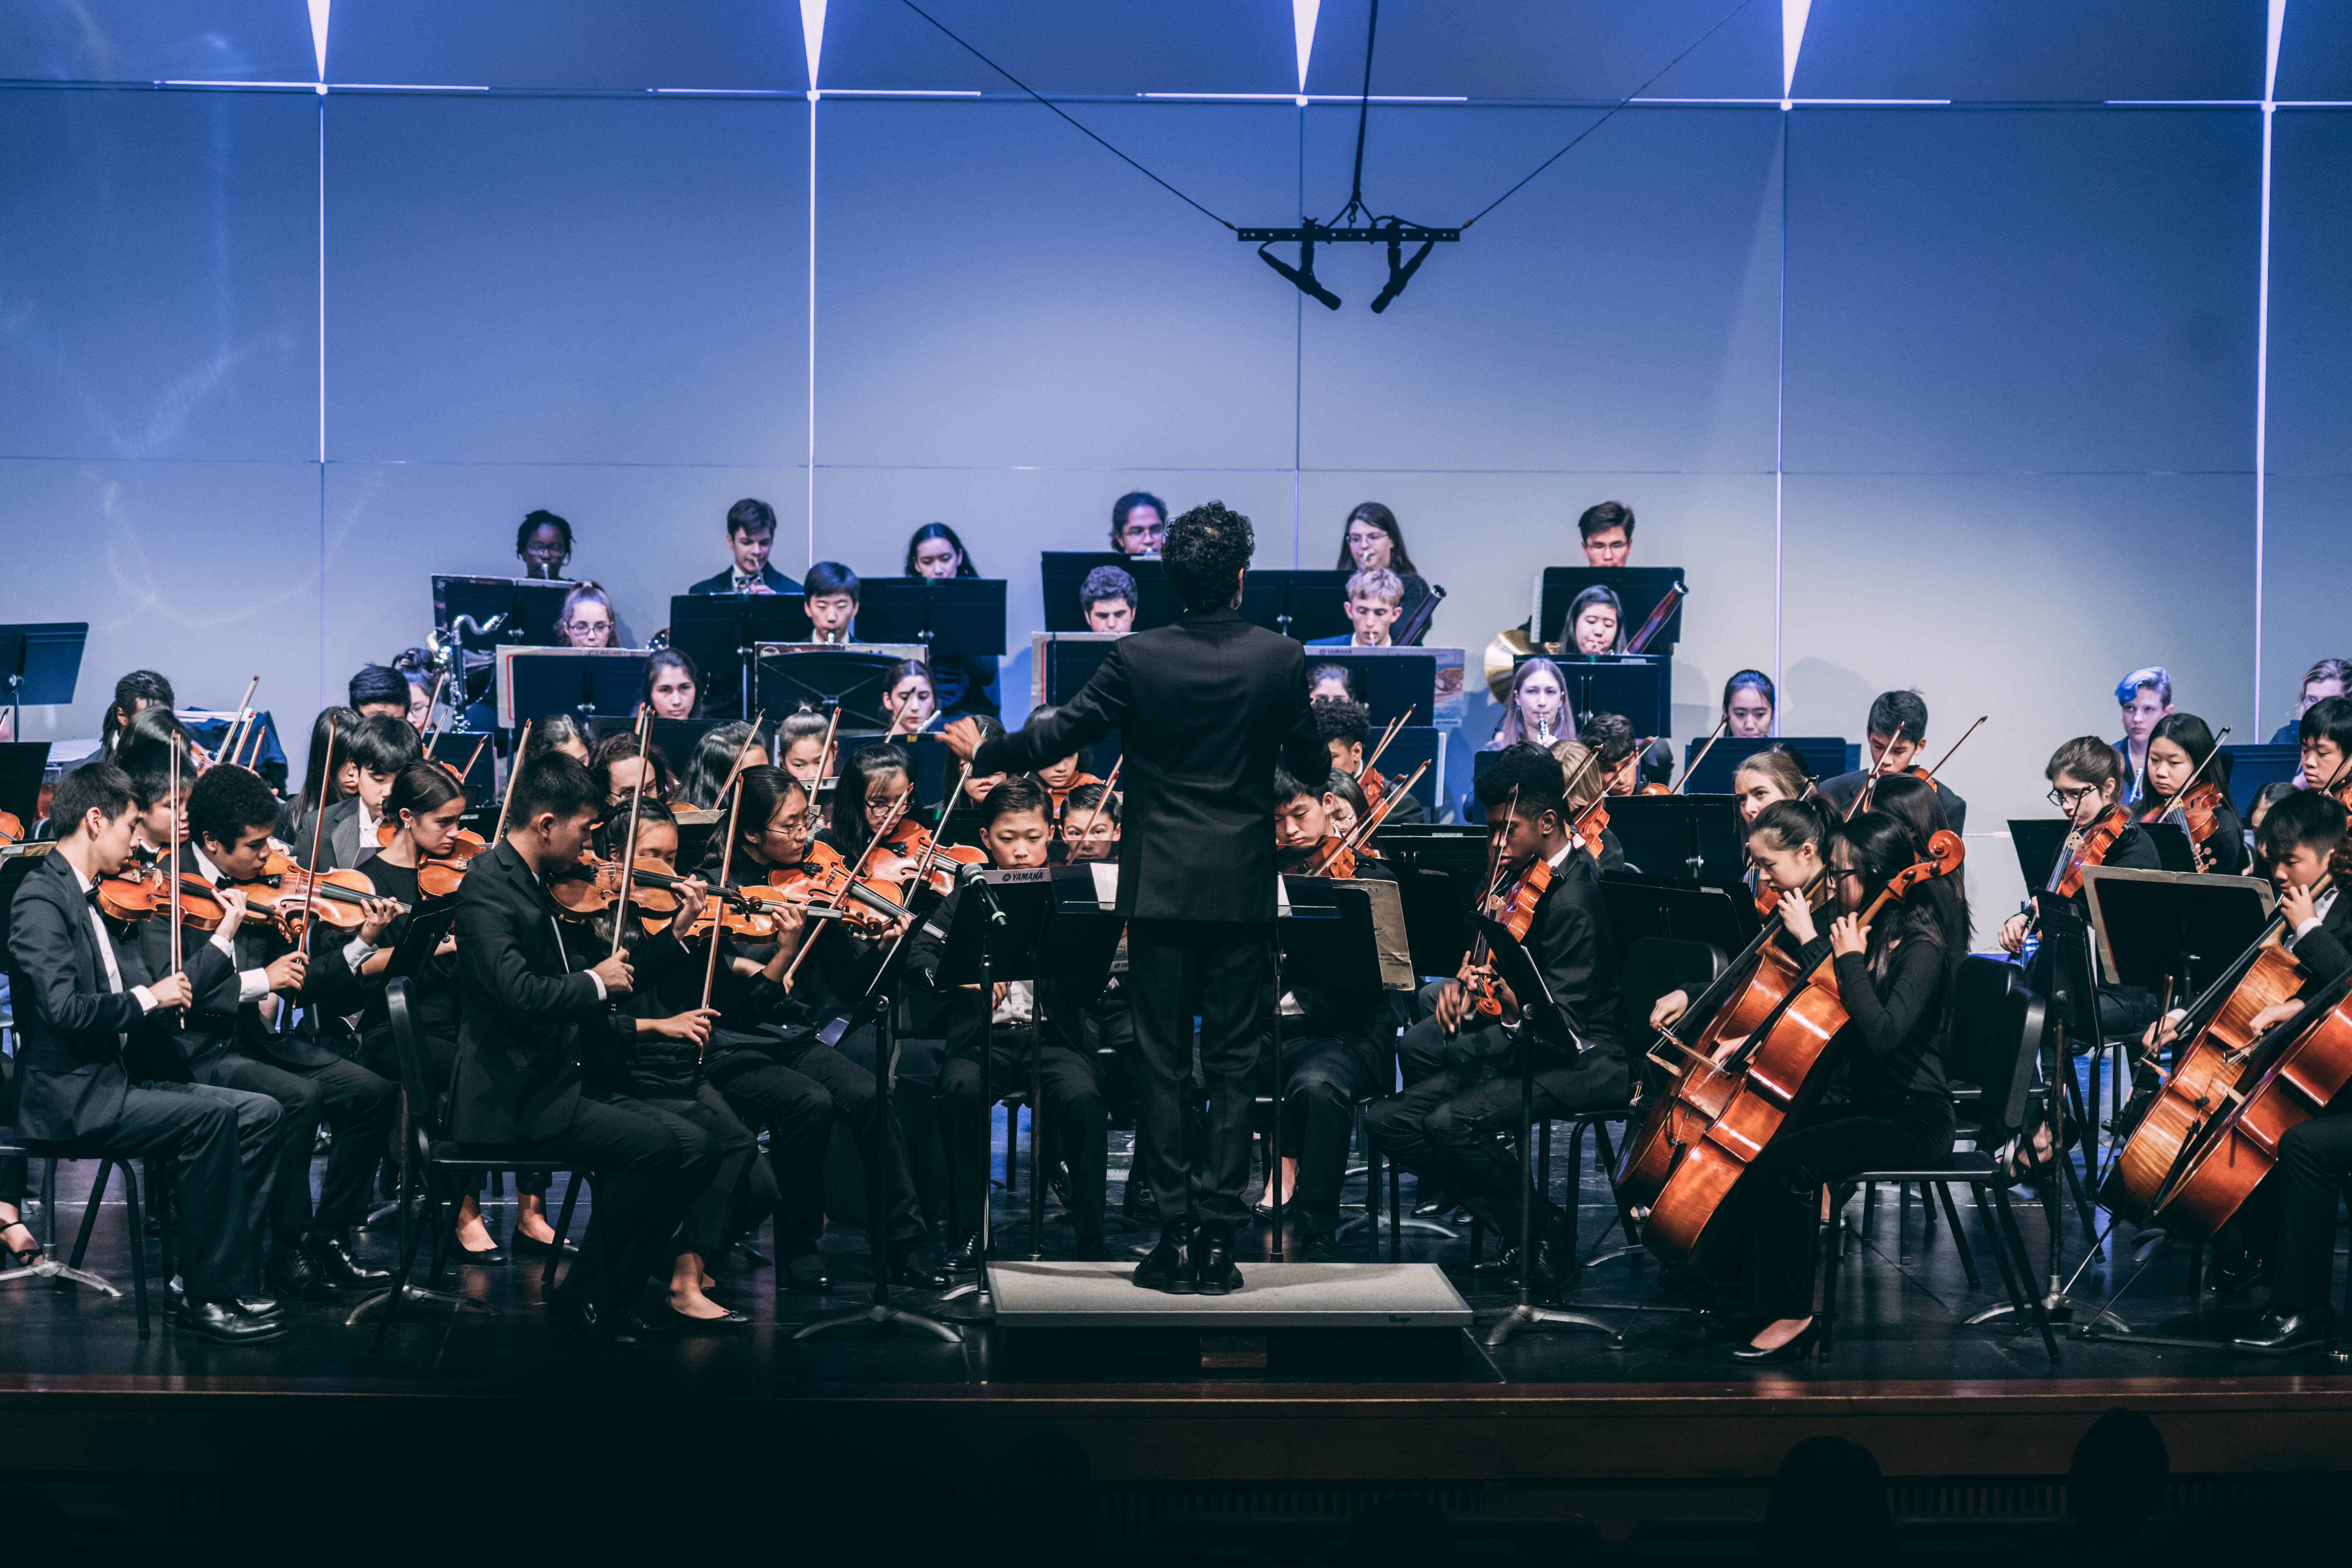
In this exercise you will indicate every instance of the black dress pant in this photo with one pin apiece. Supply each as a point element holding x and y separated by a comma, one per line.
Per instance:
<point>196,1134</point>
<point>797,1093</point>
<point>1421,1048</point>
<point>1076,1120</point>
<point>381,1056</point>
<point>708,1223</point>
<point>2314,1160</point>
<point>1449,1129</point>
<point>355,1102</point>
<point>1781,1192</point>
<point>1223,964</point>
<point>1327,1076</point>
<point>648,1166</point>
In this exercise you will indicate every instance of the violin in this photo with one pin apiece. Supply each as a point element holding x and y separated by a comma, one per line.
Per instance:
<point>2085,847</point>
<point>934,864</point>
<point>866,904</point>
<point>1328,856</point>
<point>1511,904</point>
<point>1779,1070</point>
<point>287,892</point>
<point>1373,785</point>
<point>11,830</point>
<point>2196,808</point>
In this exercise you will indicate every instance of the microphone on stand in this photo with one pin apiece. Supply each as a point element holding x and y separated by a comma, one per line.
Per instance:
<point>977,877</point>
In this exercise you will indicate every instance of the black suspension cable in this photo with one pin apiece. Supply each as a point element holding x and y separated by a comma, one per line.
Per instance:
<point>1604,120</point>
<point>1364,113</point>
<point>1032,92</point>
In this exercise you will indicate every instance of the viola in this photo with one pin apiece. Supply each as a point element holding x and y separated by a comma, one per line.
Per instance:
<point>2311,1065</point>
<point>1512,906</point>
<point>2084,848</point>
<point>934,864</point>
<point>1779,1070</point>
<point>288,892</point>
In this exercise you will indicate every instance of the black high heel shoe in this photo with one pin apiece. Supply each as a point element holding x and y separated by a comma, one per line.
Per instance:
<point>1793,1351</point>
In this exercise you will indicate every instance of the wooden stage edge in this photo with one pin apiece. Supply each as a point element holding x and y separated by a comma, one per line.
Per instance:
<point>1526,1434</point>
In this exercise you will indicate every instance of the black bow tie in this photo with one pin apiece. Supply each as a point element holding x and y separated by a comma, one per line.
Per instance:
<point>90,896</point>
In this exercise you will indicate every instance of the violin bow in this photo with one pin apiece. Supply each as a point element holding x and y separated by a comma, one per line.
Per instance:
<point>433,707</point>
<point>825,753</point>
<point>2172,801</point>
<point>250,757</point>
<point>318,838</point>
<point>1372,820</point>
<point>1877,772</point>
<point>931,850</point>
<point>1716,734</point>
<point>522,745</point>
<point>726,868</point>
<point>1395,725</point>
<point>1963,741</point>
<point>629,852</point>
<point>1100,801</point>
<point>238,722</point>
<point>464,771</point>
<point>171,861</point>
<point>735,770</point>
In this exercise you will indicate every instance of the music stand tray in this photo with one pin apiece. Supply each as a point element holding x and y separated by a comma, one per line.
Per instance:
<point>955,616</point>
<point>2153,926</point>
<point>585,682</point>
<point>1823,756</point>
<point>720,631</point>
<point>1688,837</point>
<point>855,676</point>
<point>1638,590</point>
<point>1063,573</point>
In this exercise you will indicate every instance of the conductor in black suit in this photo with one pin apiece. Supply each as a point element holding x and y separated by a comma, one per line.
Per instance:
<point>750,535</point>
<point>1205,709</point>
<point>516,1085</point>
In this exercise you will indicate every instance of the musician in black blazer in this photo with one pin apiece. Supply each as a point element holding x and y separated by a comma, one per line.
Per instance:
<point>83,993</point>
<point>1897,732</point>
<point>1447,1128</point>
<point>517,1088</point>
<point>230,1041</point>
<point>750,535</point>
<point>1205,709</point>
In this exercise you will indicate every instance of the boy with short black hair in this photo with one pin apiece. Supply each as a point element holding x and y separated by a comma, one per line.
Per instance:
<point>377,747</point>
<point>380,689</point>
<point>1019,828</point>
<point>2325,733</point>
<point>1345,728</point>
<point>1897,734</point>
<point>830,592</point>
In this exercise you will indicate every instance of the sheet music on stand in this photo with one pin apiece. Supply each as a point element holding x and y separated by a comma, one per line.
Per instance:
<point>2154,926</point>
<point>40,663</point>
<point>1343,934</point>
<point>952,616</point>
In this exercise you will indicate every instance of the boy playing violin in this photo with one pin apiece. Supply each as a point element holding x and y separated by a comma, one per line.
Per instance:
<point>1897,732</point>
<point>1446,1128</point>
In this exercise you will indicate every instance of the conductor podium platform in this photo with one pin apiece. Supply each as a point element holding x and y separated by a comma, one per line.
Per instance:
<point>1365,1320</point>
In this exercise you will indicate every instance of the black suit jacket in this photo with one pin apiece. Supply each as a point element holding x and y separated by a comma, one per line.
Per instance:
<point>1204,710</point>
<point>521,1009</point>
<point>71,1027</point>
<point>1573,946</point>
<point>2327,951</point>
<point>723,581</point>
<point>1840,793</point>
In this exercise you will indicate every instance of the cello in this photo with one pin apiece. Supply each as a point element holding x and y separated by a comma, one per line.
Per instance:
<point>1776,1073</point>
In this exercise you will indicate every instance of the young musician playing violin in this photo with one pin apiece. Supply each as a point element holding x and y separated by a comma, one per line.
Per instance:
<point>527,1021</point>
<point>85,996</point>
<point>1580,767</point>
<point>629,771</point>
<point>2087,782</point>
<point>673,687</point>
<point>379,747</point>
<point>1062,774</point>
<point>1345,729</point>
<point>318,789</point>
<point>1895,979</point>
<point>910,699</point>
<point>2180,767</point>
<point>809,752</point>
<point>1897,730</point>
<point>1446,1128</point>
<point>1333,1045</point>
<point>1034,1025</point>
<point>1346,805</point>
<point>704,784</point>
<point>766,1057</point>
<point>1089,827</point>
<point>1765,776</point>
<point>229,1040</point>
<point>378,689</point>
<point>877,787</point>
<point>2325,734</point>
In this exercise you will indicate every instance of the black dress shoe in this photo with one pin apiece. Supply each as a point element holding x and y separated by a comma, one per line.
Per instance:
<point>261,1309</point>
<point>222,1322</point>
<point>751,1255</point>
<point>1546,1282</point>
<point>523,1245</point>
<point>1434,1201</point>
<point>1793,1351</point>
<point>911,1265</point>
<point>1214,1270</point>
<point>333,1256</point>
<point>1323,1247</point>
<point>2284,1333</point>
<point>296,1275</point>
<point>1057,1181</point>
<point>491,1256</point>
<point>584,1325</point>
<point>805,1272</point>
<point>1169,1267</point>
<point>965,1258</point>
<point>728,1321</point>
<point>2233,1273</point>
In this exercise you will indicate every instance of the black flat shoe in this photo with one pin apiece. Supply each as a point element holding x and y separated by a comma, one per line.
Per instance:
<point>1168,1269</point>
<point>526,1245</point>
<point>1794,1349</point>
<point>911,1265</point>
<point>1215,1272</point>
<point>583,1325</point>
<point>806,1272</point>
<point>25,1256</point>
<point>2286,1333</point>
<point>1323,1247</point>
<point>492,1257</point>
<point>726,1323</point>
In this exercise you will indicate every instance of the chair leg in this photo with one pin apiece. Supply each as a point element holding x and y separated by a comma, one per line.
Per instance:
<point>90,1211</point>
<point>1572,1244</point>
<point>2025,1270</point>
<point>159,1203</point>
<point>1952,1220</point>
<point>1903,1222</point>
<point>1869,1211</point>
<point>432,1214</point>
<point>1825,1267</point>
<point>1605,1156</point>
<point>2000,1254</point>
<point>137,1229</point>
<point>563,1229</point>
<point>1396,1213</point>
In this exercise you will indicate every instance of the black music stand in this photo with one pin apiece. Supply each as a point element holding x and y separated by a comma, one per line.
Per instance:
<point>2157,926</point>
<point>719,633</point>
<point>1324,937</point>
<point>1388,682</point>
<point>1638,685</point>
<point>1718,915</point>
<point>1063,573</point>
<point>2174,852</point>
<point>823,676</point>
<point>503,609</point>
<point>22,764</point>
<point>1540,1015</point>
<point>460,750</point>
<point>41,660</point>
<point>1638,589</point>
<point>586,683</point>
<point>2251,767</point>
<point>2036,840</point>
<point>1300,604</point>
<point>957,617</point>
<point>1823,756</point>
<point>1689,837</point>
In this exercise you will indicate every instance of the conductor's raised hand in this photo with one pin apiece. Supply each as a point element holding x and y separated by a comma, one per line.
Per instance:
<point>963,738</point>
